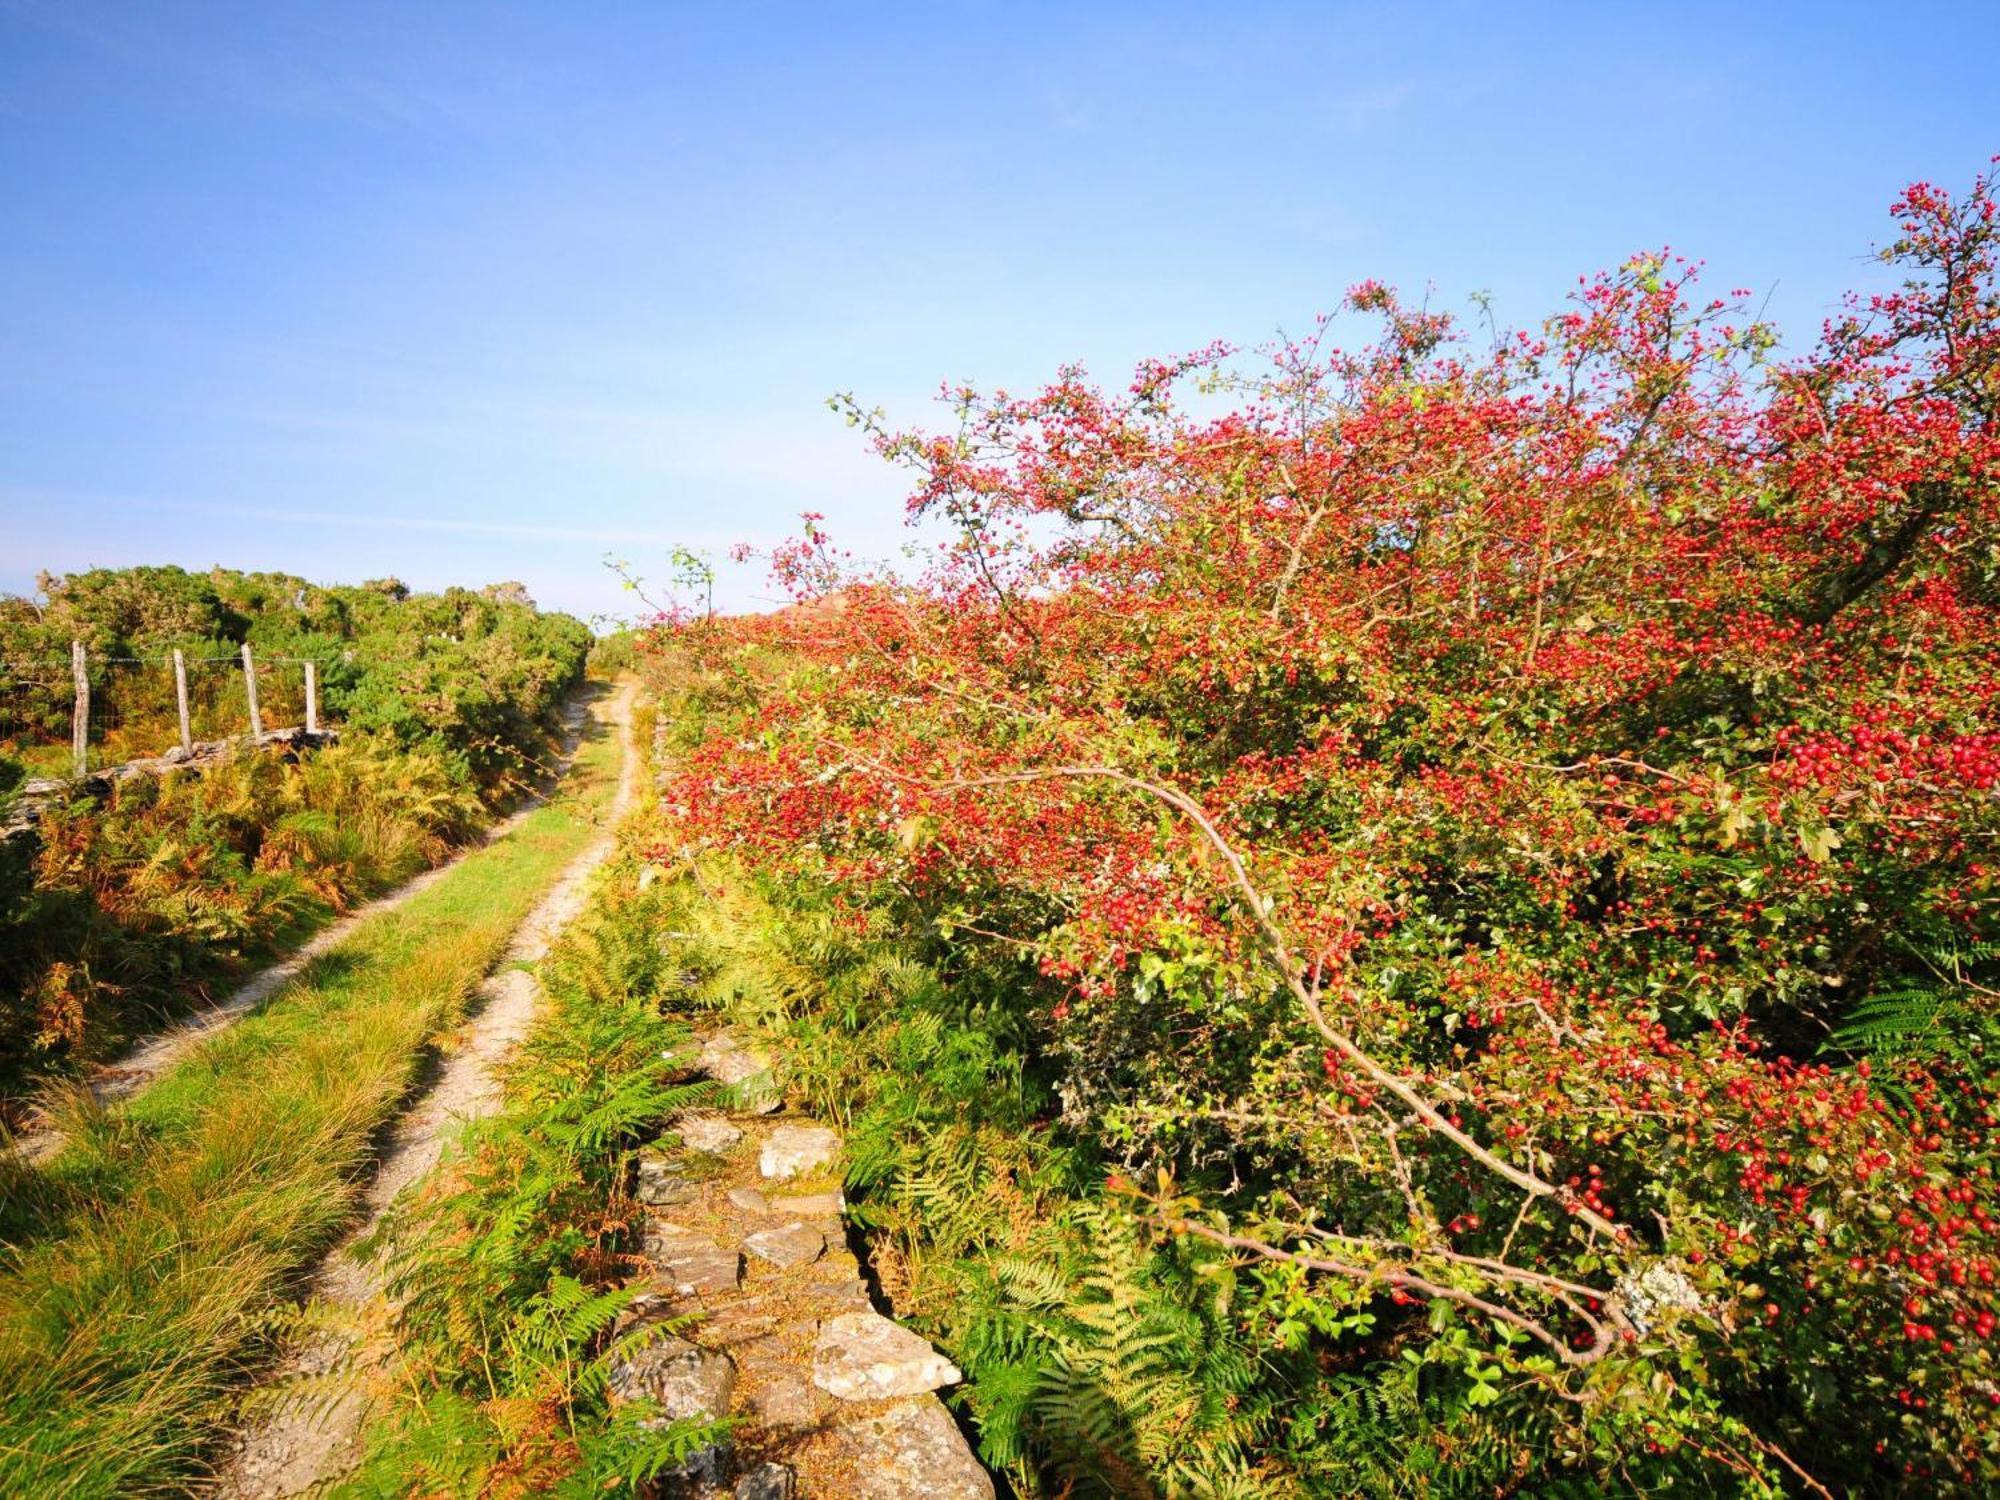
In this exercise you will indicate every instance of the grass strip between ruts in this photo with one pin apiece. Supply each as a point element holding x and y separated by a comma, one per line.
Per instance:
<point>185,1217</point>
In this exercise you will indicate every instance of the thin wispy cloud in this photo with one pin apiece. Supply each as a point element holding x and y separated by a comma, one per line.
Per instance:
<point>462,290</point>
<point>373,520</point>
<point>360,520</point>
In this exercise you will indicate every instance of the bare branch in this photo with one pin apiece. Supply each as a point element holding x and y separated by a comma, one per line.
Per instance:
<point>1279,955</point>
<point>1602,1341</point>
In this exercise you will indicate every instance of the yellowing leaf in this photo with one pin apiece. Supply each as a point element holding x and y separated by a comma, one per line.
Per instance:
<point>1734,821</point>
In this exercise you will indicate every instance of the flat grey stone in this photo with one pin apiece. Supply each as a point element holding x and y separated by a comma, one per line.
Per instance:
<point>836,1299</point>
<point>646,1307</point>
<point>686,1383</point>
<point>692,1264</point>
<point>912,1451</point>
<point>862,1356</point>
<point>736,1330</point>
<point>710,1133</point>
<point>793,1150</point>
<point>748,1070</point>
<point>786,1402</point>
<point>740,1321</point>
<point>750,1200</point>
<point>793,1244</point>
<point>659,1183</point>
<point>727,1060</point>
<point>767,1482</point>
<point>839,1266</point>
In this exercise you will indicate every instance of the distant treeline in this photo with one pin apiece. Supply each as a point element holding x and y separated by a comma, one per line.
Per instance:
<point>472,672</point>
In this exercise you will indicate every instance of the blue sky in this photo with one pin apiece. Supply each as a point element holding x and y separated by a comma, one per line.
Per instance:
<point>472,291</point>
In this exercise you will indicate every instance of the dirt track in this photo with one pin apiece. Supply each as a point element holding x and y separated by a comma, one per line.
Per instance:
<point>160,1052</point>
<point>301,1443</point>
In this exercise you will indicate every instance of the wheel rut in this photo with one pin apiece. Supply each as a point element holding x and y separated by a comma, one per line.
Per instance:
<point>160,1052</point>
<point>308,1433</point>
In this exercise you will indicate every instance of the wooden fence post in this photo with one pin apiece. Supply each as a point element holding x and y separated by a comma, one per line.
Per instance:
<point>79,720</point>
<point>181,701</point>
<point>312,700</point>
<point>250,693</point>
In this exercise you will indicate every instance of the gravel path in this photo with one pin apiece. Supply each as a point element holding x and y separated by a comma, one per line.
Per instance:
<point>302,1443</point>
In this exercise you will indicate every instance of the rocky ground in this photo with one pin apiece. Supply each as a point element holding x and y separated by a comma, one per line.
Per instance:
<point>748,1243</point>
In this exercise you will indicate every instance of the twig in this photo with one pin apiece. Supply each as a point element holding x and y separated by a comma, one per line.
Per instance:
<point>1599,1346</point>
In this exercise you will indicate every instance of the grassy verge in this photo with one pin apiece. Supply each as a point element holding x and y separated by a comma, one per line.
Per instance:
<point>509,1268</point>
<point>508,1264</point>
<point>146,1261</point>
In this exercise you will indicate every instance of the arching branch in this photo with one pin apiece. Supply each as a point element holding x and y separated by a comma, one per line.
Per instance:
<point>1278,955</point>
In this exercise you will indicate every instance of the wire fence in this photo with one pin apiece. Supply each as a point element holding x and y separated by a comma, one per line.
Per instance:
<point>67,716</point>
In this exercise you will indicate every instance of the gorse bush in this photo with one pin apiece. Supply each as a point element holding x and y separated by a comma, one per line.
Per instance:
<point>1473,869</point>
<point>471,673</point>
<point>614,653</point>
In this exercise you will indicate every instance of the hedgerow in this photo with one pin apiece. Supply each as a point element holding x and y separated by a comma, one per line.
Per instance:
<point>473,673</point>
<point>1471,869</point>
<point>128,904</point>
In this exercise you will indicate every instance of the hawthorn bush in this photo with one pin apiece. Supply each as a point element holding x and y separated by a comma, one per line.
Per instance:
<point>1474,867</point>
